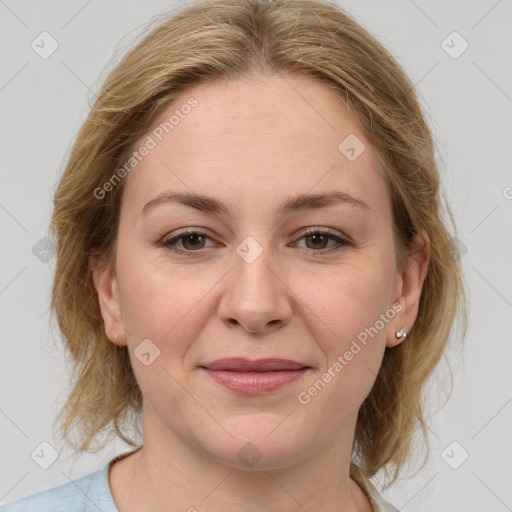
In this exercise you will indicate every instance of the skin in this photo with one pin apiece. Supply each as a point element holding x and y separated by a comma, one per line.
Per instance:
<point>252,144</point>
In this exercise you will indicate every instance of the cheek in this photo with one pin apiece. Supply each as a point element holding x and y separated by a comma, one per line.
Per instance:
<point>149,294</point>
<point>167,305</point>
<point>351,301</point>
<point>166,311</point>
<point>352,316</point>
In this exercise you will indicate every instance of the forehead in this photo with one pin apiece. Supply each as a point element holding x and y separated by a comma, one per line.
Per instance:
<point>262,137</point>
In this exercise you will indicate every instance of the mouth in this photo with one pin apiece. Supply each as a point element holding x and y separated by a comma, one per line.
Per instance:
<point>254,377</point>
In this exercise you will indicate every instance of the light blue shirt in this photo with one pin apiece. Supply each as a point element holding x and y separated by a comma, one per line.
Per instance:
<point>91,493</point>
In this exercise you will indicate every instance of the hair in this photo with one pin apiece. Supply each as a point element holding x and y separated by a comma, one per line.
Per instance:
<point>228,39</point>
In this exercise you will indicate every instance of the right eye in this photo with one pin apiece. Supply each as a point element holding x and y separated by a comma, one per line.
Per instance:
<point>193,239</point>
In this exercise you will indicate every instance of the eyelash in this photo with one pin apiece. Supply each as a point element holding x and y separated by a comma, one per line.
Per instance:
<point>168,244</point>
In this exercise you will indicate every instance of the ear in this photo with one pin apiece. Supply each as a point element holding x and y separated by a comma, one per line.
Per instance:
<point>105,282</point>
<point>408,288</point>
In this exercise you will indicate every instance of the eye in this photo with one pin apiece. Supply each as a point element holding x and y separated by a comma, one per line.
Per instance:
<point>320,238</point>
<point>193,241</point>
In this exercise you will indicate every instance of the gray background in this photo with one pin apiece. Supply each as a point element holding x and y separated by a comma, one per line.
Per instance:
<point>468,103</point>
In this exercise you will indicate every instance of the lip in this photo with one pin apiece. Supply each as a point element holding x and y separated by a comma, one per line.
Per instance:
<point>258,377</point>
<point>241,364</point>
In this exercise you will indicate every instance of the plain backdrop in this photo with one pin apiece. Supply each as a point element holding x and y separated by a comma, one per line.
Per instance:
<point>466,94</point>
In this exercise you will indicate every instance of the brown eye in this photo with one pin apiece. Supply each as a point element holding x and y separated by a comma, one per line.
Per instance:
<point>194,241</point>
<point>191,241</point>
<point>319,240</point>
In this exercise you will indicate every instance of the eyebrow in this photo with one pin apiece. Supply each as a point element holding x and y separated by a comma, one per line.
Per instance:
<point>292,204</point>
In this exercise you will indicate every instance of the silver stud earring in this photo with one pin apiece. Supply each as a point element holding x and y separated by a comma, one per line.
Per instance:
<point>401,334</point>
<point>115,338</point>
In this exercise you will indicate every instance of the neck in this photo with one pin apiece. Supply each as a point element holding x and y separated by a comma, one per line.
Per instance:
<point>167,474</point>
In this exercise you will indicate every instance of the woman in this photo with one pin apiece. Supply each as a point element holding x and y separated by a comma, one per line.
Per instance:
<point>252,261</point>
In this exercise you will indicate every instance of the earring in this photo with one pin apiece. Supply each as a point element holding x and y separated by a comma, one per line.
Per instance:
<point>401,334</point>
<point>115,338</point>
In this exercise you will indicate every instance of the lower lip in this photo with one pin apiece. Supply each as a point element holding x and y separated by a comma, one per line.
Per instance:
<point>255,383</point>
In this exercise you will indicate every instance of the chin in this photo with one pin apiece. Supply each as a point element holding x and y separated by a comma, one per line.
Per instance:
<point>258,443</point>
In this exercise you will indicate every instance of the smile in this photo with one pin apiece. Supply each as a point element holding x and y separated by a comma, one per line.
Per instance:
<point>255,383</point>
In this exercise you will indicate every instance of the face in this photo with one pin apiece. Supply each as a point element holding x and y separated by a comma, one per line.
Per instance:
<point>248,279</point>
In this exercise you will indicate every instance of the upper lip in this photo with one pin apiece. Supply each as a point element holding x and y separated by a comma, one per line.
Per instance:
<point>241,364</point>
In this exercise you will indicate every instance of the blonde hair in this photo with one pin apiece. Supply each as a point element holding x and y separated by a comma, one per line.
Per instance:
<point>222,39</point>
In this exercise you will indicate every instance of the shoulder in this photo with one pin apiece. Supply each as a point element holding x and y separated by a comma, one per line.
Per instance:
<point>379,504</point>
<point>87,493</point>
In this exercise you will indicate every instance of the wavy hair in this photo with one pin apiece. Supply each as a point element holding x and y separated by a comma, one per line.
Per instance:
<point>223,39</point>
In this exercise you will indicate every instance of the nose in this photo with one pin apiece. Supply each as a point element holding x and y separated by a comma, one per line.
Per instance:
<point>255,296</point>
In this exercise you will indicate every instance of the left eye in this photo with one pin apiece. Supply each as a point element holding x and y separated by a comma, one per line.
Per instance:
<point>319,237</point>
<point>193,241</point>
